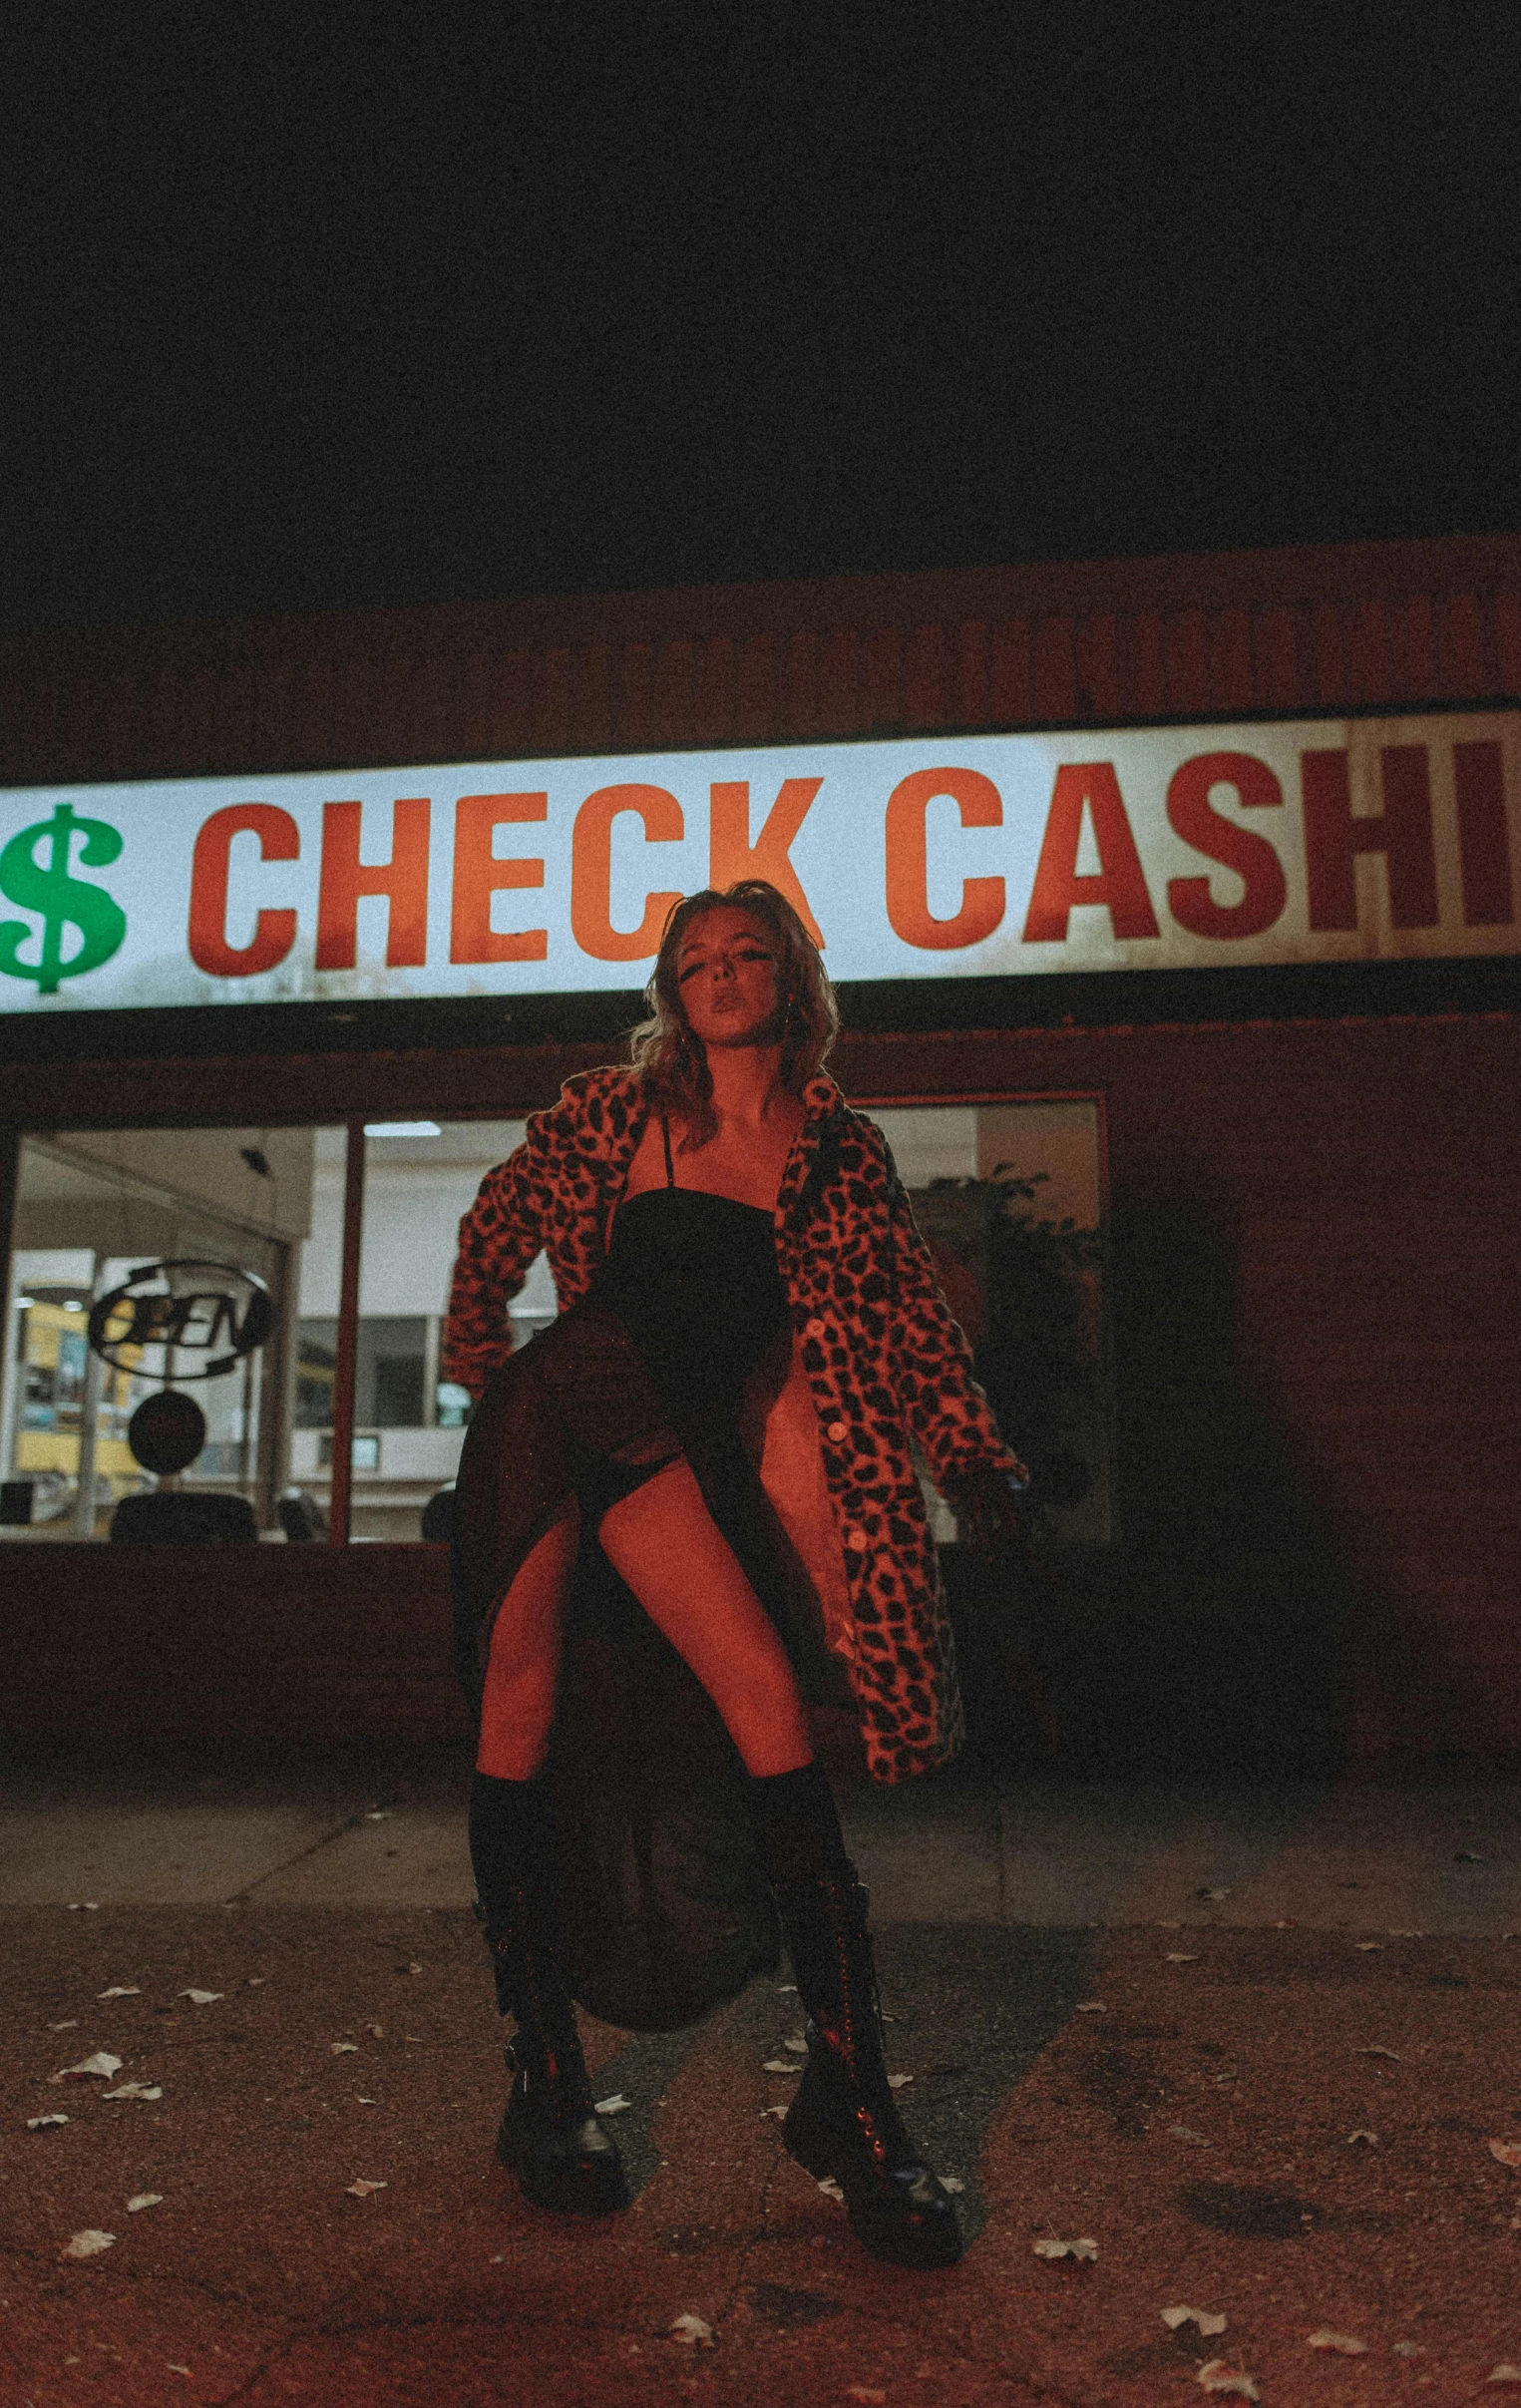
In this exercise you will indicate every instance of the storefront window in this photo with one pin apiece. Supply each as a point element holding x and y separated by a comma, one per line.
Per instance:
<point>182,1225</point>
<point>173,1234</point>
<point>420,1177</point>
<point>1010,1197</point>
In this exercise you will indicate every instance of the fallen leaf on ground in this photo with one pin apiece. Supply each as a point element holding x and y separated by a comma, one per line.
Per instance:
<point>1052,2247</point>
<point>1286,1923</point>
<point>173,2368</point>
<point>799,2048</point>
<point>68,2024</point>
<point>1504,2373</point>
<point>377,1814</point>
<point>361,2188</point>
<point>135,2090</point>
<point>778,2112</point>
<point>413,1968</point>
<point>1408,2349</point>
<point>377,2031</point>
<point>613,2105</point>
<point>88,2243</point>
<point>1508,2152</point>
<point>1181,1956</point>
<point>361,2101</point>
<point>1372,2138</point>
<point>1409,1935</point>
<point>121,1990</point>
<point>896,2081</point>
<point>256,1981</point>
<point>779,2065</point>
<point>831,2189</point>
<point>98,2068</point>
<point>1185,2132</point>
<point>1214,1895</point>
<point>43,2123</point>
<point>345,2048</point>
<point>1172,2317</point>
<point>951,2181</point>
<point>143,2198</point>
<point>1091,2006</point>
<point>1217,2376</point>
<point>201,1998</point>
<point>1365,1947</point>
<point>1347,2344</point>
<point>1378,2050</point>
<point>694,2332</point>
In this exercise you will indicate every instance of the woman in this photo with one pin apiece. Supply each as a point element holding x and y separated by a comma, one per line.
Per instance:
<point>722,1229</point>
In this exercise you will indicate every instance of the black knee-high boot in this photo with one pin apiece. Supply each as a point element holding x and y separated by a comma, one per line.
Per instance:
<point>843,2120</point>
<point>549,2135</point>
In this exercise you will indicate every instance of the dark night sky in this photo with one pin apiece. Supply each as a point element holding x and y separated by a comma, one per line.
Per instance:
<point>458,302</point>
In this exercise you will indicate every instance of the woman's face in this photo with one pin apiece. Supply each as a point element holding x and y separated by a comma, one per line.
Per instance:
<point>726,974</point>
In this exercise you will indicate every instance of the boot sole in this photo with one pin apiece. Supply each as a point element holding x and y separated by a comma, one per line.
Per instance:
<point>885,2232</point>
<point>579,2186</point>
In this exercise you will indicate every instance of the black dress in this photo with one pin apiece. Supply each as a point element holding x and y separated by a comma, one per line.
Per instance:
<point>664,1908</point>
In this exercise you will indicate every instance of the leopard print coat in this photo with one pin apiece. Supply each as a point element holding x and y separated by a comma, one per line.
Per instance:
<point>881,1355</point>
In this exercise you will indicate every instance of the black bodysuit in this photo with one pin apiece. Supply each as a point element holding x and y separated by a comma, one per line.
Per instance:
<point>664,1908</point>
<point>694,1282</point>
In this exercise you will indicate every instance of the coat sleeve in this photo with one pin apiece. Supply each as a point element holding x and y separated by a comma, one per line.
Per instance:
<point>941,1403</point>
<point>499,1239</point>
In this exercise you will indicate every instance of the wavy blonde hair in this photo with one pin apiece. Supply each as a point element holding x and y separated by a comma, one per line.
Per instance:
<point>671,1063</point>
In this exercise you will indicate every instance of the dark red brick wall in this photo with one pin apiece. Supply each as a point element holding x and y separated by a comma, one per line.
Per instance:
<point>152,1645</point>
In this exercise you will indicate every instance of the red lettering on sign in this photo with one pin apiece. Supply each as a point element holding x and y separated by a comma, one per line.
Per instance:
<point>1483,839</point>
<point>732,854</point>
<point>983,899</point>
<point>1401,832</point>
<point>1120,884</point>
<point>592,871</point>
<point>1194,816</point>
<point>403,880</point>
<point>478,875</point>
<point>275,933</point>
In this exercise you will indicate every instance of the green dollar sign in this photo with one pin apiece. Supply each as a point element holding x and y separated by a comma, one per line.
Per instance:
<point>61,900</point>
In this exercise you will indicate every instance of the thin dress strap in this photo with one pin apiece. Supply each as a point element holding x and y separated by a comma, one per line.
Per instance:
<point>670,1168</point>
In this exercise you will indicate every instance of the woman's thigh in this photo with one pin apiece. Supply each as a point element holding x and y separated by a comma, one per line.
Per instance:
<point>522,1669</point>
<point>663,1542</point>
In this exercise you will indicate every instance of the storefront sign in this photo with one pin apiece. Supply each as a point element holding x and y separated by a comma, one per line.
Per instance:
<point>962,856</point>
<point>182,1320</point>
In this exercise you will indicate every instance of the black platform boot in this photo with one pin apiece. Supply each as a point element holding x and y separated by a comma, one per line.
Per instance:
<point>843,2120</point>
<point>549,2135</point>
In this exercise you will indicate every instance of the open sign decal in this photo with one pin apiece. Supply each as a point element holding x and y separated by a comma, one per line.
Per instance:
<point>193,1309</point>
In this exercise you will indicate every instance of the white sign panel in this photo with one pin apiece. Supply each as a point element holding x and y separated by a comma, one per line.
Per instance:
<point>964,856</point>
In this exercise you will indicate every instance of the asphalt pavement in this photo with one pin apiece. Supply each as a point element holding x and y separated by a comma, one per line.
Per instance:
<point>1257,2051</point>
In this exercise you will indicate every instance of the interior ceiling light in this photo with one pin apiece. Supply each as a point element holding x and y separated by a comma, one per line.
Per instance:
<point>402,1129</point>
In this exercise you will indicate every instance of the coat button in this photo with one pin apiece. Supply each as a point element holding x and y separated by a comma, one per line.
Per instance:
<point>815,1329</point>
<point>837,1431</point>
<point>857,1542</point>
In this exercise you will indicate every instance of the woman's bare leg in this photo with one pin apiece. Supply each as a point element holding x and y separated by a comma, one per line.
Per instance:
<point>665,1544</point>
<point>522,1673</point>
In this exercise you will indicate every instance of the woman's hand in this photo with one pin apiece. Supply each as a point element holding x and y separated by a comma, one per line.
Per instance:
<point>987,1503</point>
